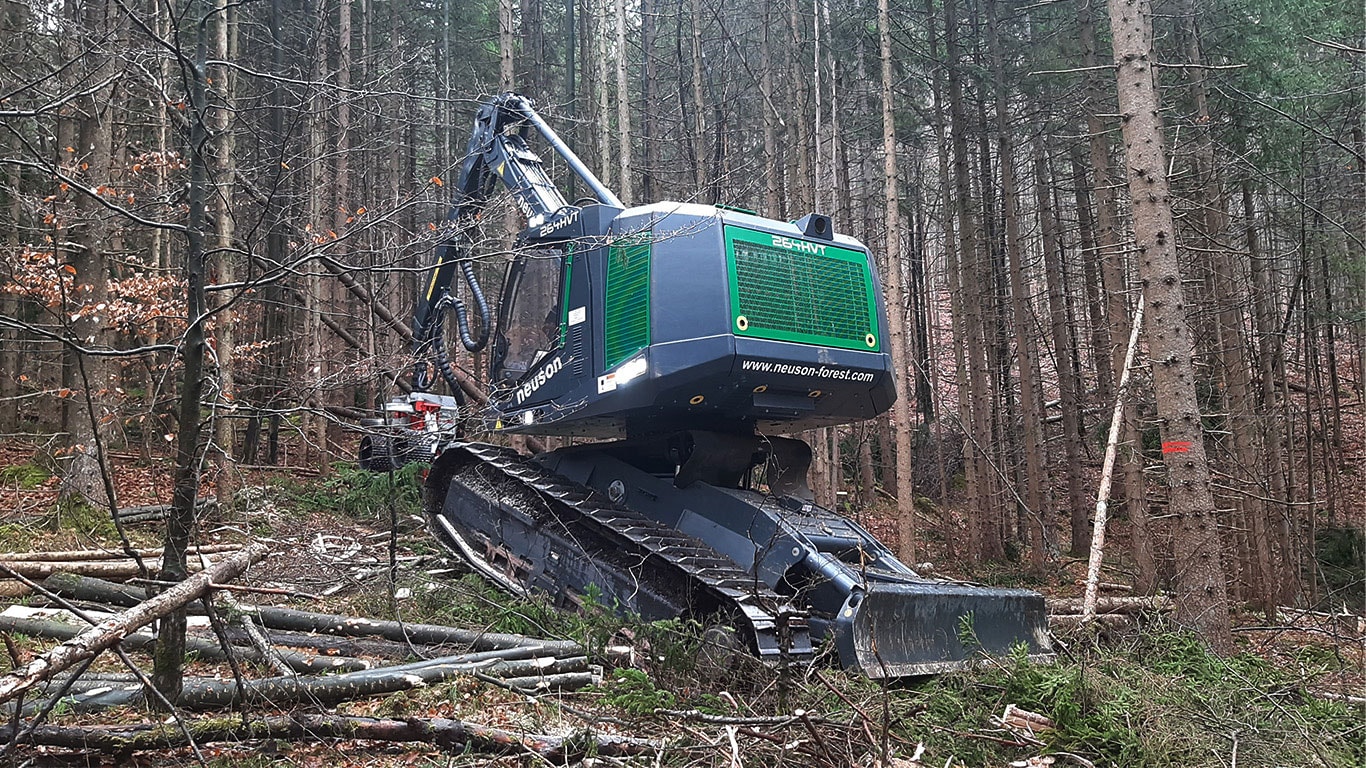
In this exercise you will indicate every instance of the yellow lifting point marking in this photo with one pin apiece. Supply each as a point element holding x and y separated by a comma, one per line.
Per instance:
<point>742,322</point>
<point>870,340</point>
<point>761,388</point>
<point>431,288</point>
<point>696,400</point>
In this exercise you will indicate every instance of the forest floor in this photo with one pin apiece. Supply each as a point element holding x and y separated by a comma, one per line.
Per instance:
<point>1144,695</point>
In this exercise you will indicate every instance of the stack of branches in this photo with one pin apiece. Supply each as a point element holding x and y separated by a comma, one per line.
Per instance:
<point>297,645</point>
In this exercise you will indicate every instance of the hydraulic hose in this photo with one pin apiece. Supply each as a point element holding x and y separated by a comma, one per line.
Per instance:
<point>444,365</point>
<point>462,318</point>
<point>434,335</point>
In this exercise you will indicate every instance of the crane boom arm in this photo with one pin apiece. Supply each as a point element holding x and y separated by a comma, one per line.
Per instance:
<point>497,152</point>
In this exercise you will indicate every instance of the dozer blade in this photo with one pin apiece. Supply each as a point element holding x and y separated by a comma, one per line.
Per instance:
<point>900,629</point>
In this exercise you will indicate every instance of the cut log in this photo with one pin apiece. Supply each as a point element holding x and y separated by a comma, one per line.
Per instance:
<point>1058,622</point>
<point>109,554</point>
<point>421,634</point>
<point>100,569</point>
<point>333,645</point>
<point>284,691</point>
<point>84,588</point>
<point>107,633</point>
<point>449,735</point>
<point>14,589</point>
<point>158,511</point>
<point>1068,606</point>
<point>205,648</point>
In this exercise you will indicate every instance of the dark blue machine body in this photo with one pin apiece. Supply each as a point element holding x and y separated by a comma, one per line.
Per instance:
<point>696,372</point>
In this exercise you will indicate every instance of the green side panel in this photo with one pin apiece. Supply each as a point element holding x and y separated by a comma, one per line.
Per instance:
<point>626,321</point>
<point>789,289</point>
<point>564,293</point>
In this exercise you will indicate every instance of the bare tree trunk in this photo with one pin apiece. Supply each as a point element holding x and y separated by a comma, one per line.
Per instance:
<point>896,320</point>
<point>983,540</point>
<point>1108,249</point>
<point>1237,368</point>
<point>1062,352</point>
<point>602,10</point>
<point>772,203</point>
<point>1201,599</point>
<point>625,191</point>
<point>1271,367</point>
<point>1026,349</point>
<point>1096,550</point>
<point>507,73</point>
<point>453,736</point>
<point>169,659</point>
<point>225,174</point>
<point>89,158</point>
<point>699,105</point>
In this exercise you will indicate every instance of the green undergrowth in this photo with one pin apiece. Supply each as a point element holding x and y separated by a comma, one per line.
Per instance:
<point>1160,700</point>
<point>356,493</point>
<point>1153,700</point>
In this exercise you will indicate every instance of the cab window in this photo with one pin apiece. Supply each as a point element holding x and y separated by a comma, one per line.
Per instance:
<point>529,322</point>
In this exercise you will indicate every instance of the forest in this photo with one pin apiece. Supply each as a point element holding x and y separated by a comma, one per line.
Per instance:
<point>215,218</point>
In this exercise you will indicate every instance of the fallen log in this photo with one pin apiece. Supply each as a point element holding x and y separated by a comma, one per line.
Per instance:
<point>100,569</point>
<point>158,511</point>
<point>449,735</point>
<point>205,648</point>
<point>420,634</point>
<point>1069,606</point>
<point>69,555</point>
<point>335,645</point>
<point>86,588</point>
<point>1074,620</point>
<point>14,589</point>
<point>284,691</point>
<point>108,633</point>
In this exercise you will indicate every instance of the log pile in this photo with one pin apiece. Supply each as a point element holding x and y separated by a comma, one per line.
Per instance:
<point>1111,612</point>
<point>324,659</point>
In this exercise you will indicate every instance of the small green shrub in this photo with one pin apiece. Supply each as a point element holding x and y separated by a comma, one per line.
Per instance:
<point>632,691</point>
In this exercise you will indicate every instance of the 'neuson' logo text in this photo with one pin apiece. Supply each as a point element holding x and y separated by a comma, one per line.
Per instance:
<point>534,383</point>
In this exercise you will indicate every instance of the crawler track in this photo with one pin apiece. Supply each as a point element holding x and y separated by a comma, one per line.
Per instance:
<point>527,528</point>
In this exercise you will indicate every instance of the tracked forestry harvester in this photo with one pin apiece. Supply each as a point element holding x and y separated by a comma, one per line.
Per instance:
<point>687,337</point>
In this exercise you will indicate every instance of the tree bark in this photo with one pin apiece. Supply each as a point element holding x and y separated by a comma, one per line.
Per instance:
<point>85,378</point>
<point>896,318</point>
<point>109,632</point>
<point>203,647</point>
<point>1109,253</point>
<point>1201,598</point>
<point>1026,348</point>
<point>452,736</point>
<point>180,522</point>
<point>625,191</point>
<point>305,621</point>
<point>289,690</point>
<point>1062,352</point>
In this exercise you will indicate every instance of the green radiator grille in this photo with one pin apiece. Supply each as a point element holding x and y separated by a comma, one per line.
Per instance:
<point>627,322</point>
<point>795,290</point>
